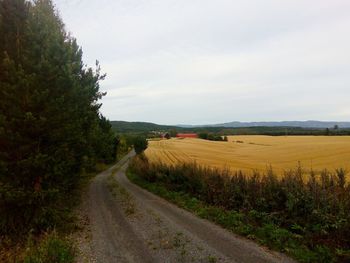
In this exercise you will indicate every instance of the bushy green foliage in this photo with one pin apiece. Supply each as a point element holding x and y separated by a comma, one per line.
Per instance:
<point>50,126</point>
<point>211,136</point>
<point>306,218</point>
<point>51,249</point>
<point>140,144</point>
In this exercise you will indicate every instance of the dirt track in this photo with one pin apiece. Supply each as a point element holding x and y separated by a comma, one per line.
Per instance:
<point>129,224</point>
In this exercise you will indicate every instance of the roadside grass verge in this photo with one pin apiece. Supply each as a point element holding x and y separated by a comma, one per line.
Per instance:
<point>318,236</point>
<point>52,244</point>
<point>50,248</point>
<point>269,234</point>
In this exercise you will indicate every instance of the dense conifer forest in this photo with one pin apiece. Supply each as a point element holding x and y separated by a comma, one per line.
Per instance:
<point>51,130</point>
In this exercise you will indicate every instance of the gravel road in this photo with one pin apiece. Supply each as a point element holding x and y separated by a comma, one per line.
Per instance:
<point>129,224</point>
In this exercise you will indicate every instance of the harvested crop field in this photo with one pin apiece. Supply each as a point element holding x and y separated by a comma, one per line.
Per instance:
<point>252,152</point>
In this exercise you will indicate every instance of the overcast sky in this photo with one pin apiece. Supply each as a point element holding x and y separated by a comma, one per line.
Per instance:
<point>213,61</point>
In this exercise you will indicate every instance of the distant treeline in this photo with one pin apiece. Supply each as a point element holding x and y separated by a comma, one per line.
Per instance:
<point>138,127</point>
<point>145,129</point>
<point>212,136</point>
<point>308,218</point>
<point>285,131</point>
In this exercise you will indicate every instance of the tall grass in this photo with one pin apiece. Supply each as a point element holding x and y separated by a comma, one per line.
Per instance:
<point>297,210</point>
<point>51,248</point>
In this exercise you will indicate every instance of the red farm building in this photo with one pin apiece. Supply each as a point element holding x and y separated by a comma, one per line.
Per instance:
<point>186,135</point>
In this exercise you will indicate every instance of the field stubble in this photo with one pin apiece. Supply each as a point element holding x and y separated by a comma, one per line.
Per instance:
<point>248,153</point>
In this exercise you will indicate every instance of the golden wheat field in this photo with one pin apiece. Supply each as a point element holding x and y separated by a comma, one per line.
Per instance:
<point>252,152</point>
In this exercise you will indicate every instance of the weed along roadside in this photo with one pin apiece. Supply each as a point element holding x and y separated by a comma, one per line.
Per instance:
<point>127,213</point>
<point>58,244</point>
<point>306,220</point>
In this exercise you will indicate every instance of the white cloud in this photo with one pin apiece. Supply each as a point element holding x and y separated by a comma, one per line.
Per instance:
<point>202,61</point>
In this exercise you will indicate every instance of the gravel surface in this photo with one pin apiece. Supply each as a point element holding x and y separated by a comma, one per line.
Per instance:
<point>128,224</point>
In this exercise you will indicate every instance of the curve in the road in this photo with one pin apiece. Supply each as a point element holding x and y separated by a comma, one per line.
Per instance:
<point>115,240</point>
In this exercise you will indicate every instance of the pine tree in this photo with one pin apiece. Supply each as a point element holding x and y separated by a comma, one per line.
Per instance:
<point>51,127</point>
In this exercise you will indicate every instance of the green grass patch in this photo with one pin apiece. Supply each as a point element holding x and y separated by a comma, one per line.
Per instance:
<point>122,195</point>
<point>58,222</point>
<point>51,248</point>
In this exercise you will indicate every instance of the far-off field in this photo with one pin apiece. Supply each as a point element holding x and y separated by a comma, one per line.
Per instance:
<point>252,152</point>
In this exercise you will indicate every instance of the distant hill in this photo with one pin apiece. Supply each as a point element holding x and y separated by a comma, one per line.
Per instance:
<point>137,127</point>
<point>301,124</point>
<point>239,128</point>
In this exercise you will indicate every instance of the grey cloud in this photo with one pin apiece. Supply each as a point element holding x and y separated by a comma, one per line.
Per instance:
<point>219,60</point>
